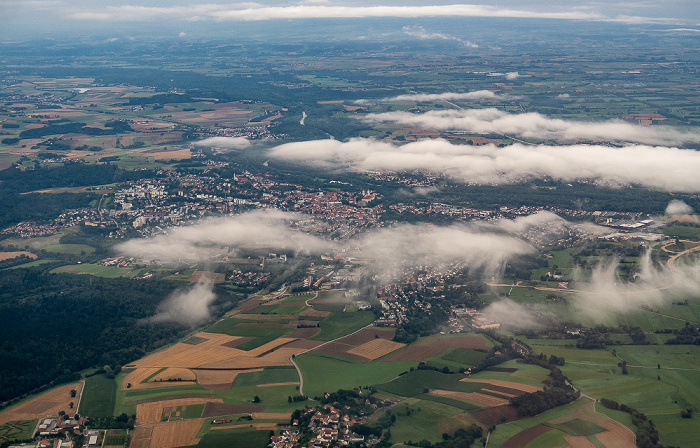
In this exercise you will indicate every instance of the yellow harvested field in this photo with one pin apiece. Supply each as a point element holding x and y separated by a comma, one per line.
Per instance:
<point>290,383</point>
<point>579,442</point>
<point>152,412</point>
<point>179,154</point>
<point>510,384</point>
<point>488,400</point>
<point>50,403</point>
<point>169,434</point>
<point>175,373</point>
<point>9,255</point>
<point>269,346</point>
<point>189,356</point>
<point>279,357</point>
<point>616,436</point>
<point>376,348</point>
<point>272,415</point>
<point>137,376</point>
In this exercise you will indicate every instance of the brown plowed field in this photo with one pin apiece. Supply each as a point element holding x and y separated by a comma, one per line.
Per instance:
<point>376,348</point>
<point>434,347</point>
<point>616,436</point>
<point>50,403</point>
<point>492,416</point>
<point>524,437</point>
<point>152,412</point>
<point>214,409</point>
<point>8,255</point>
<point>304,344</point>
<point>303,333</point>
<point>507,384</point>
<point>579,442</point>
<point>175,374</point>
<point>236,342</point>
<point>505,391</point>
<point>314,313</point>
<point>477,397</point>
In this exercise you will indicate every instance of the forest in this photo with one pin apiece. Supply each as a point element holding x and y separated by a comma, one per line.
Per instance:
<point>72,322</point>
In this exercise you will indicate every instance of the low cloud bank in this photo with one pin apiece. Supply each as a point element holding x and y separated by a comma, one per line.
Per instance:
<point>535,125</point>
<point>224,142</point>
<point>396,248</point>
<point>204,240</point>
<point>642,165</point>
<point>189,306</point>
<point>678,207</point>
<point>605,293</point>
<point>446,96</point>
<point>421,33</point>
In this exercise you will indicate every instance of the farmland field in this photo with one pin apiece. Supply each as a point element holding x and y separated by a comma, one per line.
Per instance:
<point>98,397</point>
<point>17,430</point>
<point>47,403</point>
<point>324,373</point>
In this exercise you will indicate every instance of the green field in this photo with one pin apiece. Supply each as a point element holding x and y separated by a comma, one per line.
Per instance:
<point>660,393</point>
<point>96,269</point>
<point>115,439</point>
<point>416,382</point>
<point>420,419</point>
<point>74,249</point>
<point>339,324</point>
<point>267,376</point>
<point>98,398</point>
<point>235,438</point>
<point>682,231</point>
<point>324,373</point>
<point>18,430</point>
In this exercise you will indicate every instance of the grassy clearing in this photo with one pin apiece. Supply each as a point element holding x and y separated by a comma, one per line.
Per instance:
<point>418,381</point>
<point>682,231</point>
<point>325,373</point>
<point>19,430</point>
<point>578,427</point>
<point>267,376</point>
<point>526,374</point>
<point>115,439</point>
<point>75,249</point>
<point>419,419</point>
<point>99,396</point>
<point>454,402</point>
<point>234,438</point>
<point>508,430</point>
<point>340,324</point>
<point>274,398</point>
<point>96,270</point>
<point>553,437</point>
<point>31,264</point>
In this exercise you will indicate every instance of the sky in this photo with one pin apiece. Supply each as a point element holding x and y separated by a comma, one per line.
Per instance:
<point>58,16</point>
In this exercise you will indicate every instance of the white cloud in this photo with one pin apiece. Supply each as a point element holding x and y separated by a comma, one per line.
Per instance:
<point>421,33</point>
<point>205,239</point>
<point>512,75</point>
<point>677,207</point>
<point>563,96</point>
<point>488,164</point>
<point>410,245</point>
<point>188,306</point>
<point>535,125</point>
<point>254,11</point>
<point>446,96</point>
<point>224,142</point>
